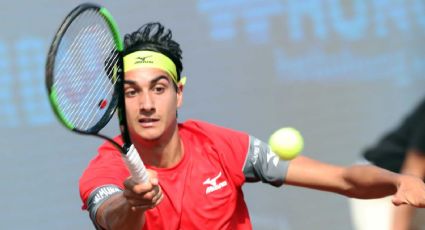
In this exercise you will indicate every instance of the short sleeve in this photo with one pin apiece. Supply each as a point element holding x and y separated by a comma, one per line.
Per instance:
<point>262,164</point>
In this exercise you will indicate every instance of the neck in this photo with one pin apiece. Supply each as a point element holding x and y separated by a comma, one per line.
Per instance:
<point>164,152</point>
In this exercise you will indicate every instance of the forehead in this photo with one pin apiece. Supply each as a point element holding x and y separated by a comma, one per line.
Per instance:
<point>145,74</point>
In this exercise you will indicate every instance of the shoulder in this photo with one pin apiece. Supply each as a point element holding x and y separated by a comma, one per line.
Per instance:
<point>212,130</point>
<point>215,136</point>
<point>107,156</point>
<point>107,146</point>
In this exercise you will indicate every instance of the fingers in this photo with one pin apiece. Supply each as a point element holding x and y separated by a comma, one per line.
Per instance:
<point>413,198</point>
<point>156,200</point>
<point>419,203</point>
<point>143,195</point>
<point>158,197</point>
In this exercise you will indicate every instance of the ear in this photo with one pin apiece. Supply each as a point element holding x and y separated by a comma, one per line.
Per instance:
<point>180,88</point>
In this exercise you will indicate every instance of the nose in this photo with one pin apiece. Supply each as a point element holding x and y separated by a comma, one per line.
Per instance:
<point>147,103</point>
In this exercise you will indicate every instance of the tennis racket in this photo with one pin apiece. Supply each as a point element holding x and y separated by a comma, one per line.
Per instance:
<point>84,78</point>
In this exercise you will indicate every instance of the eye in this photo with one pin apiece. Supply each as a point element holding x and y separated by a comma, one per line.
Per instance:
<point>159,89</point>
<point>130,92</point>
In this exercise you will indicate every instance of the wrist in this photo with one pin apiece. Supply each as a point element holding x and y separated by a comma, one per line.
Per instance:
<point>399,180</point>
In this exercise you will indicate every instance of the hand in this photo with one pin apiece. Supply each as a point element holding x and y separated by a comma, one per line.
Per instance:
<point>411,191</point>
<point>143,196</point>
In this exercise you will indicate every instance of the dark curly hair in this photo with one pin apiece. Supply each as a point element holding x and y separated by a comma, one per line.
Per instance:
<point>154,37</point>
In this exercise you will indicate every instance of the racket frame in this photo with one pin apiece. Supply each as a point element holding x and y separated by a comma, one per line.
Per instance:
<point>112,105</point>
<point>128,151</point>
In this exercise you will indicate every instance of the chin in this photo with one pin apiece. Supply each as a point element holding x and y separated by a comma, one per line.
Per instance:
<point>144,135</point>
<point>148,136</point>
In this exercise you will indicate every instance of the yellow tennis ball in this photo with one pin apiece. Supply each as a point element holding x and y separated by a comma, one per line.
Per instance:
<point>286,142</point>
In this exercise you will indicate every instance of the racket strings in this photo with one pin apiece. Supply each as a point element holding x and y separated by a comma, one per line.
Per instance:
<point>78,76</point>
<point>84,81</point>
<point>68,72</point>
<point>78,85</point>
<point>100,93</point>
<point>104,81</point>
<point>88,109</point>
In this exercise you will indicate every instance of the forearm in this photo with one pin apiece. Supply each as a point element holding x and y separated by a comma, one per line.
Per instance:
<point>116,213</point>
<point>367,182</point>
<point>358,181</point>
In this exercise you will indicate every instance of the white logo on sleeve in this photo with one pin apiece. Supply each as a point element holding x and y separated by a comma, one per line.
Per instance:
<point>256,151</point>
<point>213,186</point>
<point>272,156</point>
<point>104,192</point>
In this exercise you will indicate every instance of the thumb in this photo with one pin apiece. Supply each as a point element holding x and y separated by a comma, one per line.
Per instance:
<point>397,200</point>
<point>154,181</point>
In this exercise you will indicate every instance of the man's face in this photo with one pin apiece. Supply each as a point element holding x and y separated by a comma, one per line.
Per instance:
<point>151,103</point>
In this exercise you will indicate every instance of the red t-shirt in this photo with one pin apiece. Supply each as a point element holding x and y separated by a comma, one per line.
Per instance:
<point>203,191</point>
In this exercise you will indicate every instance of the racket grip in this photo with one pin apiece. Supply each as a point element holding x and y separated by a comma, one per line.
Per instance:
<point>135,165</point>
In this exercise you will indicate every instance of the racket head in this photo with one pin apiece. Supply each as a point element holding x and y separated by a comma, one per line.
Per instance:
<point>84,69</point>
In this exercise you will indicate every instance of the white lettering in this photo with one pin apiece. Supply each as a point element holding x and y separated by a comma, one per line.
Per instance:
<point>104,192</point>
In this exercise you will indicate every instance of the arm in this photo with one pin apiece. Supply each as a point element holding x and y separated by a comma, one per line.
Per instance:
<point>116,213</point>
<point>413,165</point>
<point>359,181</point>
<point>126,210</point>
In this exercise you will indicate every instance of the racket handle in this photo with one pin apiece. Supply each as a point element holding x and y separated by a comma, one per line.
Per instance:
<point>135,165</point>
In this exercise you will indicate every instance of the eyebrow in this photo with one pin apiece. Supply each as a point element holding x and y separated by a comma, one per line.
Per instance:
<point>152,82</point>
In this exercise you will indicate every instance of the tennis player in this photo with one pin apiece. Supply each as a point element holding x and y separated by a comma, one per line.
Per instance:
<point>197,169</point>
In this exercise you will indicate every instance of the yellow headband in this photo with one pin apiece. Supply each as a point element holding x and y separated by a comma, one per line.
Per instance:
<point>145,58</point>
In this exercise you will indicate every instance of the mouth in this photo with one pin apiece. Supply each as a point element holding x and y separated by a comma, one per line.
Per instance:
<point>148,122</point>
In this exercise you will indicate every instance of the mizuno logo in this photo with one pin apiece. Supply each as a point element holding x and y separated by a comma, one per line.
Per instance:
<point>213,186</point>
<point>140,60</point>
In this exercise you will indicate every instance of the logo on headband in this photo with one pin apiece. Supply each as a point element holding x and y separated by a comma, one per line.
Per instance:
<point>141,60</point>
